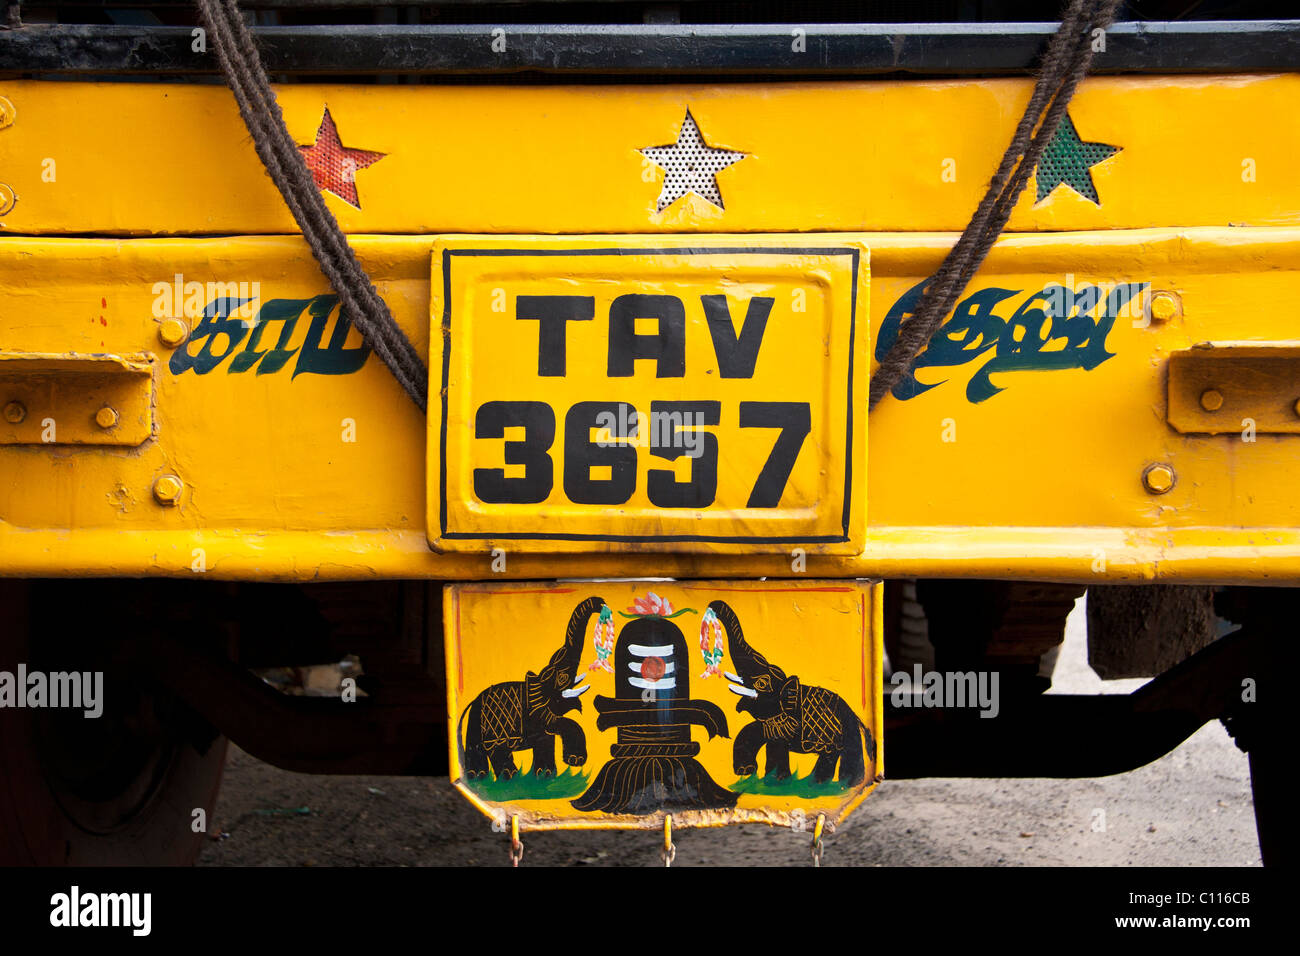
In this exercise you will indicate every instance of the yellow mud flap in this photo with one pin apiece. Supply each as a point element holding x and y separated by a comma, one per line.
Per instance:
<point>611,704</point>
<point>684,394</point>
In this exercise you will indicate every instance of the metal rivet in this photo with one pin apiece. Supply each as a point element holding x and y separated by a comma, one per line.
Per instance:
<point>7,113</point>
<point>106,417</point>
<point>1157,479</point>
<point>167,489</point>
<point>7,198</point>
<point>1211,400</point>
<point>173,332</point>
<point>15,412</point>
<point>1296,407</point>
<point>1164,306</point>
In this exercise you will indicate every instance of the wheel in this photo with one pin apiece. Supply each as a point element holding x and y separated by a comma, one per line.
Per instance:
<point>1260,720</point>
<point>1259,729</point>
<point>119,789</point>
<point>1260,726</point>
<point>1011,627</point>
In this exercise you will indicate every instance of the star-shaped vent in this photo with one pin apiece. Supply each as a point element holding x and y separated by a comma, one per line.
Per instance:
<point>690,165</point>
<point>334,166</point>
<point>1067,160</point>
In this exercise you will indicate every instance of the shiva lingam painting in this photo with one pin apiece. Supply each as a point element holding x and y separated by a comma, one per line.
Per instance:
<point>653,766</point>
<point>691,713</point>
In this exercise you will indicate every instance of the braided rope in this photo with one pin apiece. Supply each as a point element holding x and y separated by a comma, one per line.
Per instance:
<point>244,73</point>
<point>1066,62</point>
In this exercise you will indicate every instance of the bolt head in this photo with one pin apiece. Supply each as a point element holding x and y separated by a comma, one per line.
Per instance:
<point>1296,408</point>
<point>7,113</point>
<point>8,198</point>
<point>1164,306</point>
<point>167,490</point>
<point>1211,400</point>
<point>15,412</point>
<point>1158,479</point>
<point>106,417</point>
<point>173,332</point>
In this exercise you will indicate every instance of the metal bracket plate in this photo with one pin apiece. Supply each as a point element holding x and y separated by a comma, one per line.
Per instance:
<point>72,399</point>
<point>1219,389</point>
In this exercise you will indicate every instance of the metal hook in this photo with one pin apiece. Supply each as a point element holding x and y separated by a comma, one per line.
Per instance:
<point>516,844</point>
<point>818,848</point>
<point>669,851</point>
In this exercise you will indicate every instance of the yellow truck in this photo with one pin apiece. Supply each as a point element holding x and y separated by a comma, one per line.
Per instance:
<point>520,349</point>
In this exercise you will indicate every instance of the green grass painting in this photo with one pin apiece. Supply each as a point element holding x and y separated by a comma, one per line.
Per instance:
<point>525,785</point>
<point>791,786</point>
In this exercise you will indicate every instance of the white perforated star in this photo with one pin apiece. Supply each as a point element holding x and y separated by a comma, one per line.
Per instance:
<point>690,166</point>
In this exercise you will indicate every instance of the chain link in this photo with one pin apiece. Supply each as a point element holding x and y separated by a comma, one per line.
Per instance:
<point>668,852</point>
<point>516,844</point>
<point>818,848</point>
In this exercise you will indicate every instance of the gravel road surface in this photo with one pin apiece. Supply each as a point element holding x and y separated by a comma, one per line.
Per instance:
<point>1190,808</point>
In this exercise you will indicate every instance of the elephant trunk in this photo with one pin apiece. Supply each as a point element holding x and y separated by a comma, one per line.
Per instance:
<point>746,657</point>
<point>568,657</point>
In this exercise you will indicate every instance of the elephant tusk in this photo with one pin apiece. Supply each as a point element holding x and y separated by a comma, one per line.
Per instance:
<point>575,691</point>
<point>743,691</point>
<point>732,677</point>
<point>581,679</point>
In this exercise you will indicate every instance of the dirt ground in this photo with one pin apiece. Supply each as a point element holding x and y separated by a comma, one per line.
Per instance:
<point>1190,808</point>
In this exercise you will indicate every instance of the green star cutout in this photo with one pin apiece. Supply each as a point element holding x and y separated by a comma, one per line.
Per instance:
<point>1066,161</point>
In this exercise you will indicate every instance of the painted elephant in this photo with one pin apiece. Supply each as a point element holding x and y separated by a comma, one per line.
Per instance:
<point>528,714</point>
<point>790,716</point>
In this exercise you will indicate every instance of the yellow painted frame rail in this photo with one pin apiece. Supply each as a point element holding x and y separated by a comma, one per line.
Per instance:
<point>279,449</point>
<point>312,476</point>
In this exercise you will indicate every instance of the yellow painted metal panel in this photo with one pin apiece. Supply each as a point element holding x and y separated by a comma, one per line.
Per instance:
<point>1043,479</point>
<point>848,156</point>
<point>614,393</point>
<point>690,681</point>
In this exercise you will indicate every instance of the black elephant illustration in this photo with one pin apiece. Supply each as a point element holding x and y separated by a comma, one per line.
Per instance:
<point>790,716</point>
<point>528,714</point>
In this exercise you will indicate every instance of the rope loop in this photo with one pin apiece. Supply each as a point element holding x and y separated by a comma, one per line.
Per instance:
<point>1067,60</point>
<point>359,301</point>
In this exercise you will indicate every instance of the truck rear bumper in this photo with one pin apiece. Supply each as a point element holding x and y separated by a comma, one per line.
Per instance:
<point>1041,479</point>
<point>250,434</point>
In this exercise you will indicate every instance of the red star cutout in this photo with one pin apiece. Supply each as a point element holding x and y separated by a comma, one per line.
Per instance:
<point>333,166</point>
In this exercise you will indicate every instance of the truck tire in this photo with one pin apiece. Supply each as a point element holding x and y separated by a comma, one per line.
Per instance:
<point>120,789</point>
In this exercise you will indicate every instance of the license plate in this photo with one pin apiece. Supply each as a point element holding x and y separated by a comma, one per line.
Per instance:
<point>702,393</point>
<point>612,703</point>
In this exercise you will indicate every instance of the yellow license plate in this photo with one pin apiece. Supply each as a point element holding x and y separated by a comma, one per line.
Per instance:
<point>702,393</point>
<point>612,703</point>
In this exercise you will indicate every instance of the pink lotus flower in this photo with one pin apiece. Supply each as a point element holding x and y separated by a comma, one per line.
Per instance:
<point>652,605</point>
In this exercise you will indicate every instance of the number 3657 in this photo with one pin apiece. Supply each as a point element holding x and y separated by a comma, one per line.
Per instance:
<point>605,472</point>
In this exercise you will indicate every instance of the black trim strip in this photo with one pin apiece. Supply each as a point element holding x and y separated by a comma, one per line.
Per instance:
<point>748,51</point>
